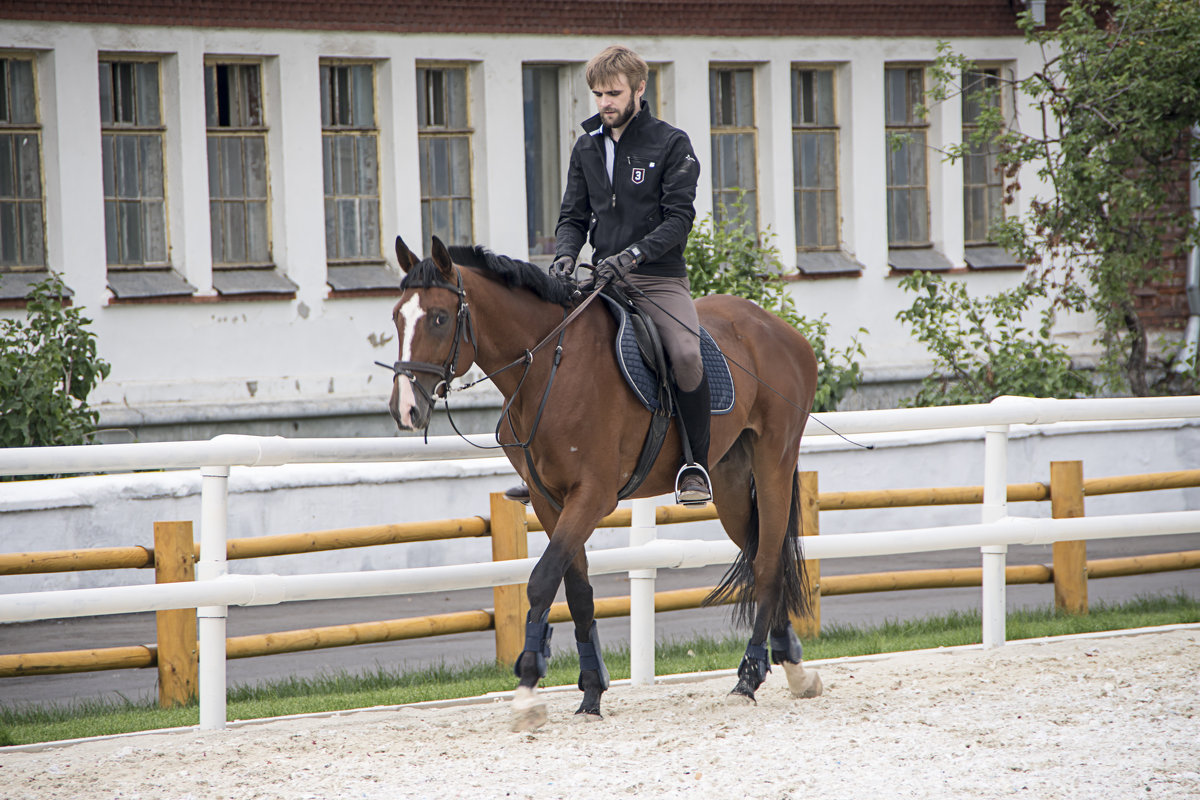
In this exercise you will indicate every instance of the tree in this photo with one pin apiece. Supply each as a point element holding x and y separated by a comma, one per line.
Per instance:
<point>48,367</point>
<point>1117,99</point>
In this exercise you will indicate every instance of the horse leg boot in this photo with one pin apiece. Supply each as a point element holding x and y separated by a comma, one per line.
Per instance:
<point>786,651</point>
<point>529,710</point>
<point>751,673</point>
<point>593,675</point>
<point>692,485</point>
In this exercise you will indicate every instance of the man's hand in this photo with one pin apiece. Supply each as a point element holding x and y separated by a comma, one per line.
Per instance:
<point>617,266</point>
<point>562,268</point>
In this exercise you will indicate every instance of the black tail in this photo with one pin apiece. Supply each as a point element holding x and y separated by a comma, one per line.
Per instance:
<point>737,587</point>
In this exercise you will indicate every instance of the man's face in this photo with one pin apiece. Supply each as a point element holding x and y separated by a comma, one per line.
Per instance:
<point>617,102</point>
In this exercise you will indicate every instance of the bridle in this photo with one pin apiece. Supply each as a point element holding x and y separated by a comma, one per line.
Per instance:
<point>445,371</point>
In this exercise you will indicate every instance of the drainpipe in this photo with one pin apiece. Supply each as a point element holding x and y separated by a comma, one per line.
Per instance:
<point>1191,337</point>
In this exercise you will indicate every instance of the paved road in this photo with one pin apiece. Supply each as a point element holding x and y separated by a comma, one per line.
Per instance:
<point>128,629</point>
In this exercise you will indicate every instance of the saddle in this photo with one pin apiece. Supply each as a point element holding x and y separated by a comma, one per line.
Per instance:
<point>643,362</point>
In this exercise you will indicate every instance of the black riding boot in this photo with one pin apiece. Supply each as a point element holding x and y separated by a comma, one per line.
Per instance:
<point>692,486</point>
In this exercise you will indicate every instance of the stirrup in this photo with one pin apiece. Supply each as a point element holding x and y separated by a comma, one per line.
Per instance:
<point>692,501</point>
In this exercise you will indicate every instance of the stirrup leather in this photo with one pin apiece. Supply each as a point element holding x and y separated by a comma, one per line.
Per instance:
<point>679,478</point>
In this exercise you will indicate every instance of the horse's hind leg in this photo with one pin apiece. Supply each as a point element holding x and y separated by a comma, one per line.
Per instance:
<point>593,675</point>
<point>786,651</point>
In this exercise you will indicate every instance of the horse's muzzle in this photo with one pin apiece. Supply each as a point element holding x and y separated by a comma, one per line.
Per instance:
<point>408,406</point>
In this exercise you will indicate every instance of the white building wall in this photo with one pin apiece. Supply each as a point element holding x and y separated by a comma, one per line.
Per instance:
<point>208,354</point>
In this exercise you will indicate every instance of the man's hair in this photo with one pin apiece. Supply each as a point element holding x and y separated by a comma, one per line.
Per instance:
<point>616,60</point>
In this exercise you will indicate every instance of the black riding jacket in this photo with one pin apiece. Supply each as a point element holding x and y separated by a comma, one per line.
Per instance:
<point>649,202</point>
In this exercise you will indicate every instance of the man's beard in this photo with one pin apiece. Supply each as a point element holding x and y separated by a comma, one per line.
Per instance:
<point>625,115</point>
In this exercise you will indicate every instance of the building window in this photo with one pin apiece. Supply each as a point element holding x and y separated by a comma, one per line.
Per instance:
<point>983,189</point>
<point>907,190</point>
<point>444,138</point>
<point>237,165</point>
<point>814,159</point>
<point>734,143</point>
<point>350,155</point>
<point>22,234</point>
<point>131,132</point>
<point>543,159</point>
<point>653,95</point>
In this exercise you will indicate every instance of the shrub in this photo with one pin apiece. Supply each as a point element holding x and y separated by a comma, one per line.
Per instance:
<point>48,367</point>
<point>981,347</point>
<point>733,260</point>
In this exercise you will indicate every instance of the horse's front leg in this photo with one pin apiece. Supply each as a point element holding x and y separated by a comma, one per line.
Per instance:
<point>593,675</point>
<point>573,527</point>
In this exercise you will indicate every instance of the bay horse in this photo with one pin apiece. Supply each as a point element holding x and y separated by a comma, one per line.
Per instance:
<point>584,430</point>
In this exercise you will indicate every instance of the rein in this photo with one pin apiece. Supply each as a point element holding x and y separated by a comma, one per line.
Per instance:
<point>446,371</point>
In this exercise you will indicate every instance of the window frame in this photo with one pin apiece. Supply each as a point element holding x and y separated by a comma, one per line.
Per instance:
<point>331,133</point>
<point>719,130</point>
<point>544,187</point>
<point>800,128</point>
<point>143,131</point>
<point>427,134</point>
<point>259,131</point>
<point>913,125</point>
<point>969,127</point>
<point>22,263</point>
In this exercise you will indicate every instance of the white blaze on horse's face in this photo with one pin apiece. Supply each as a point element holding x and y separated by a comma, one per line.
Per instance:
<point>404,399</point>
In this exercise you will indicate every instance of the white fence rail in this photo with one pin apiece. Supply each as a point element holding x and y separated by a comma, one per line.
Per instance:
<point>214,589</point>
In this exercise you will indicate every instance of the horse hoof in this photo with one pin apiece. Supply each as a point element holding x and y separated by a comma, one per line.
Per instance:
<point>803,683</point>
<point>588,716</point>
<point>528,710</point>
<point>739,697</point>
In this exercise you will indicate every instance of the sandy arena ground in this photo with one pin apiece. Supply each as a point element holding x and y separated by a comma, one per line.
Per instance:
<point>1099,719</point>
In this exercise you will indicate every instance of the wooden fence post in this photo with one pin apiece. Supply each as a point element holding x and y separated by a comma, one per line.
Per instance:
<point>809,626</point>
<point>510,533</point>
<point>178,658</point>
<point>1070,558</point>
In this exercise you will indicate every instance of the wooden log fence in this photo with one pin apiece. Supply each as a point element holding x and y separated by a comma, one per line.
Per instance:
<point>508,527</point>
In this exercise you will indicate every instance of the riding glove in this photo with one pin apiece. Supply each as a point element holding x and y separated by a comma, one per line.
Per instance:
<point>562,268</point>
<point>618,266</point>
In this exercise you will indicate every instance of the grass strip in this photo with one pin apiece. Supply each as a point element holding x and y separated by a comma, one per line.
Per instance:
<point>381,686</point>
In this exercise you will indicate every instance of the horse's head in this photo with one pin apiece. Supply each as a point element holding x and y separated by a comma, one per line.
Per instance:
<point>433,327</point>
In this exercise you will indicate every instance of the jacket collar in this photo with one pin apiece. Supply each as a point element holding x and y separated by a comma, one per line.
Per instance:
<point>594,127</point>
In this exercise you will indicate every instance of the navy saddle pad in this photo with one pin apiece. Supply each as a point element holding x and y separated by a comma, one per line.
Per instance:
<point>642,378</point>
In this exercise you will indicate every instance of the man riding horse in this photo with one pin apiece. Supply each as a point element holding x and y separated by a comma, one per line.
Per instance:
<point>631,186</point>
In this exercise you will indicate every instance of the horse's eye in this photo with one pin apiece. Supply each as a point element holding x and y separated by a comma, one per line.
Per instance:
<point>438,318</point>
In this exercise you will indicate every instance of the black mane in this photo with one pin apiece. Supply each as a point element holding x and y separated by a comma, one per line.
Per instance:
<point>513,273</point>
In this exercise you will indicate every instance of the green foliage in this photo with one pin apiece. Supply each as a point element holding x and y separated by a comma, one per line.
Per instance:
<point>982,348</point>
<point>731,259</point>
<point>1117,97</point>
<point>48,367</point>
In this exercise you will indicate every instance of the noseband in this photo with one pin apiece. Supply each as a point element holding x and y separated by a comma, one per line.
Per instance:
<point>445,370</point>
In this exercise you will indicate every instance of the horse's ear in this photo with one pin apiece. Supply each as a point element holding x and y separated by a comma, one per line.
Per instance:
<point>404,255</point>
<point>441,258</point>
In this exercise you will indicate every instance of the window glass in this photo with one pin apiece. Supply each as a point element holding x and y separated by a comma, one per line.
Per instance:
<point>734,144</point>
<point>444,148</point>
<point>814,154</point>
<point>983,189</point>
<point>132,153</point>
<point>237,165</point>
<point>543,159</point>
<point>22,231</point>
<point>907,187</point>
<point>350,159</point>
